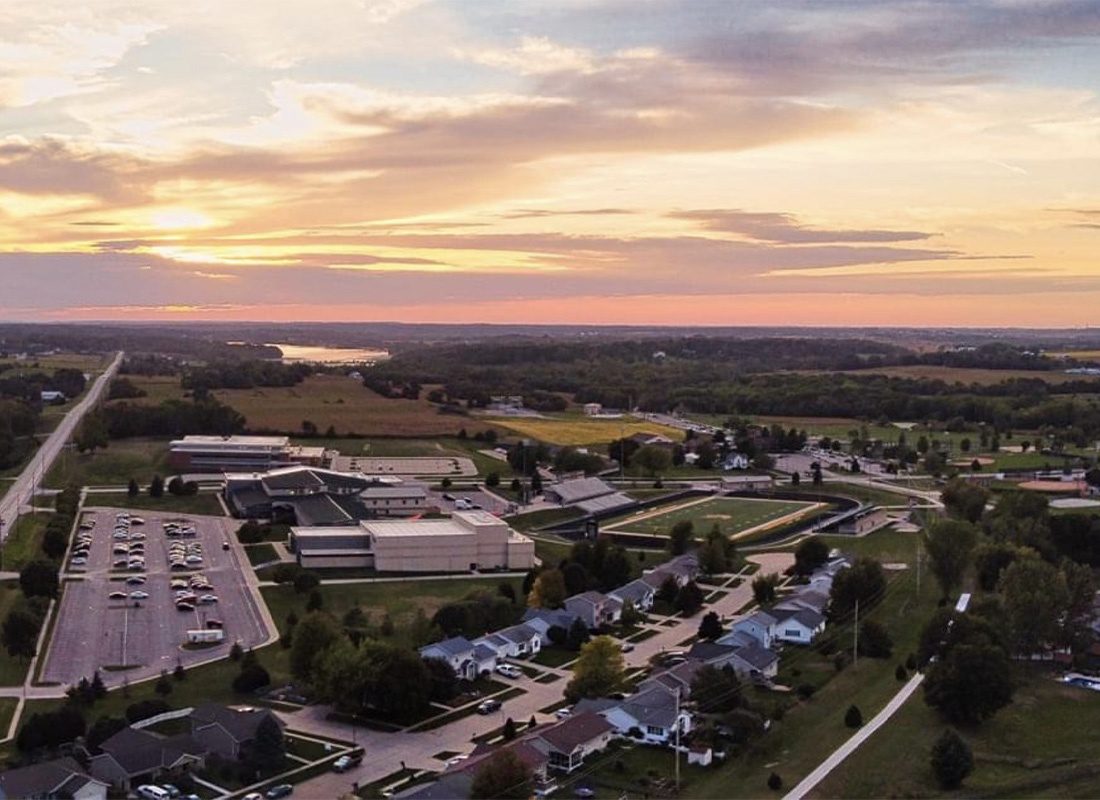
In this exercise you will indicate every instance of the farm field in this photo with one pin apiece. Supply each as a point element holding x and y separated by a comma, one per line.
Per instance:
<point>1044,744</point>
<point>967,375</point>
<point>731,514</point>
<point>578,431</point>
<point>93,362</point>
<point>398,600</point>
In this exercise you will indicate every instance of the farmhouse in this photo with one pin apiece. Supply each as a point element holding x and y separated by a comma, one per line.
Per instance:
<point>468,540</point>
<point>238,453</point>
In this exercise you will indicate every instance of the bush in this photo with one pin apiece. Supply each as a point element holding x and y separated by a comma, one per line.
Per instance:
<point>143,709</point>
<point>806,690</point>
<point>841,660</point>
<point>853,717</point>
<point>775,783</point>
<point>952,760</point>
<point>251,678</point>
<point>901,673</point>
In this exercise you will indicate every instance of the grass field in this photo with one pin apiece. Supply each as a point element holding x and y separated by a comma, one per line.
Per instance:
<point>732,515</point>
<point>24,541</point>
<point>399,600</point>
<point>579,431</point>
<point>1017,753</point>
<point>86,363</point>
<point>853,491</point>
<point>13,671</point>
<point>203,503</point>
<point>260,553</point>
<point>965,375</point>
<point>123,459</point>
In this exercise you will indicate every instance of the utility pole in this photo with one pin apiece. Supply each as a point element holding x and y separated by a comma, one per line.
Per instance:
<point>855,637</point>
<point>918,568</point>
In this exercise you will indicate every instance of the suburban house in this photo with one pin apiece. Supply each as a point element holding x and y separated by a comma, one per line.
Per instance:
<point>595,608</point>
<point>568,743</point>
<point>637,592</point>
<point>467,659</point>
<point>651,439</point>
<point>133,756</point>
<point>807,598</point>
<point>517,641</point>
<point>747,660</point>
<point>735,461</point>
<point>228,730</point>
<point>543,619</point>
<point>62,777</point>
<point>799,626</point>
<point>684,568</point>
<point>760,626</point>
<point>651,716</point>
<point>677,677</point>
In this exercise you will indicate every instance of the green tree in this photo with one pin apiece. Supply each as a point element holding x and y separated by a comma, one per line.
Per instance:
<point>952,760</point>
<point>132,489</point>
<point>689,599</point>
<point>763,588</point>
<point>716,691</point>
<point>492,480</point>
<point>92,434</point>
<point>853,717</point>
<point>971,682</point>
<point>577,635</point>
<point>502,776</point>
<point>710,628</point>
<point>598,671</point>
<point>965,500</point>
<point>156,486</point>
<point>1035,598</point>
<point>315,633</point>
<point>163,686</point>
<point>680,537</point>
<point>991,558</point>
<point>39,579</point>
<point>20,633</point>
<point>950,545</point>
<point>267,753</point>
<point>652,459</point>
<point>874,640</point>
<point>810,554</point>
<point>864,581</point>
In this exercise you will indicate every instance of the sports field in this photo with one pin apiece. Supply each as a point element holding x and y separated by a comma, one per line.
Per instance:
<point>579,431</point>
<point>733,515</point>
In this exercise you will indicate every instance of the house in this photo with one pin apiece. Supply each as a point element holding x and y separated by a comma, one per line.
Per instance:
<point>592,409</point>
<point>748,660</point>
<point>651,439</point>
<point>637,592</point>
<point>596,609</point>
<point>809,598</point>
<point>134,756</point>
<point>712,653</point>
<point>517,641</point>
<point>228,730</point>
<point>799,626</point>
<point>683,568</point>
<point>543,619</point>
<point>53,397</point>
<point>466,658</point>
<point>651,716</point>
<point>674,678</point>
<point>61,777</point>
<point>760,626</point>
<point>568,743</point>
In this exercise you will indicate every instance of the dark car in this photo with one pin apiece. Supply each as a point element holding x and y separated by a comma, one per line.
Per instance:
<point>488,707</point>
<point>282,790</point>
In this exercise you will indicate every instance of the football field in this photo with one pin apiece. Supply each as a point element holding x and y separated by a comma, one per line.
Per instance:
<point>733,515</point>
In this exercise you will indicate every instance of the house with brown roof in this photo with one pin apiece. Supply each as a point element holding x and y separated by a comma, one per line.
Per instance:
<point>61,777</point>
<point>568,743</point>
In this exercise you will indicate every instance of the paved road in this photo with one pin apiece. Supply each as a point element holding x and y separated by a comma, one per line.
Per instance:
<point>808,783</point>
<point>19,492</point>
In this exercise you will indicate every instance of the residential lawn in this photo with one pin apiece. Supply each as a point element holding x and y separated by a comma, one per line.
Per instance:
<point>201,503</point>
<point>1045,744</point>
<point>24,541</point>
<point>399,600</point>
<point>123,459</point>
<point>13,671</point>
<point>260,553</point>
<point>731,514</point>
<point>580,431</point>
<point>554,656</point>
<point>7,709</point>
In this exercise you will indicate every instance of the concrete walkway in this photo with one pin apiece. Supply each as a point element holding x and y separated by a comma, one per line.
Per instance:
<point>808,783</point>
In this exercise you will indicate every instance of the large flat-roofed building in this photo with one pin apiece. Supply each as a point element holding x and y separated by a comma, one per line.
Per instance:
<point>466,541</point>
<point>240,453</point>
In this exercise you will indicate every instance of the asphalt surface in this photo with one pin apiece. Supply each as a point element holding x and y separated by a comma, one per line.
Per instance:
<point>95,632</point>
<point>19,493</point>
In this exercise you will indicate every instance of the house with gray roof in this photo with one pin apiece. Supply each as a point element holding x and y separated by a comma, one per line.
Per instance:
<point>543,619</point>
<point>516,641</point>
<point>134,756</point>
<point>467,659</point>
<point>61,777</point>
<point>638,592</point>
<point>798,625</point>
<point>228,730</point>
<point>568,743</point>
<point>805,598</point>
<point>595,608</point>
<point>760,626</point>
<point>651,715</point>
<point>678,677</point>
<point>683,568</point>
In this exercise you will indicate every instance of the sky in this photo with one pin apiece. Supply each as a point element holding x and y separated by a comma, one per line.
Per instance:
<point>710,162</point>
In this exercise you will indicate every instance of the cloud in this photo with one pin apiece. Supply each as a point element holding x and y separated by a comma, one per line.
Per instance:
<point>785,228</point>
<point>50,166</point>
<point>535,55</point>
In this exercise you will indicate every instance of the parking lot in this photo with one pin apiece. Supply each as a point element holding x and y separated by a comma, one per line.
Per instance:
<point>127,638</point>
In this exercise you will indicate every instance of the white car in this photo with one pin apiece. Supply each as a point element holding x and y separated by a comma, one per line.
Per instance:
<point>509,671</point>
<point>139,595</point>
<point>117,596</point>
<point>207,599</point>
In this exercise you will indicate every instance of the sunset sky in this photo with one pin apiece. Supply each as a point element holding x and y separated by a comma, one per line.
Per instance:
<point>789,162</point>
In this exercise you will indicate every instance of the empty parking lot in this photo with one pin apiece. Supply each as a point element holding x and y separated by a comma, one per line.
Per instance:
<point>128,640</point>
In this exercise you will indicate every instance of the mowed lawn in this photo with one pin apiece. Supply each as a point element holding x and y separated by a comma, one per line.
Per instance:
<point>1046,744</point>
<point>579,431</point>
<point>732,515</point>
<point>399,600</point>
<point>123,459</point>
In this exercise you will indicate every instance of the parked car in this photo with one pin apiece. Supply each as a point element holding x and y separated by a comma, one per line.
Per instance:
<point>509,671</point>
<point>346,762</point>
<point>626,647</point>
<point>117,595</point>
<point>282,790</point>
<point>488,706</point>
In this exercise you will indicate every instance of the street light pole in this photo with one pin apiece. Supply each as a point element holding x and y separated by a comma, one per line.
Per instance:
<point>677,723</point>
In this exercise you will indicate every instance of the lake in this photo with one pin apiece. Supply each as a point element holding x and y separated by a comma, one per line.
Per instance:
<point>330,355</point>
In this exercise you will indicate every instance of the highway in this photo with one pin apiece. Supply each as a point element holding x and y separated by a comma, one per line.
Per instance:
<point>19,492</point>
